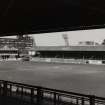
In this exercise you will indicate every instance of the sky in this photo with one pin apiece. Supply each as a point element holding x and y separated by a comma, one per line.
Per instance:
<point>56,39</point>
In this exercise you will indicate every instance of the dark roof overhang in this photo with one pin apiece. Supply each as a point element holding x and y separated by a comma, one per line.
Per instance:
<point>40,16</point>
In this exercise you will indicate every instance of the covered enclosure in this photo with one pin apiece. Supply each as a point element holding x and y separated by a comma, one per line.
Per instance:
<point>75,52</point>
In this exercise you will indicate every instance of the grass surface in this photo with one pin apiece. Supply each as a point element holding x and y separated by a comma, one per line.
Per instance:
<point>81,78</point>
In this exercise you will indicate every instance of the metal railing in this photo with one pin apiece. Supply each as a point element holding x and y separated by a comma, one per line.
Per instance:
<point>36,95</point>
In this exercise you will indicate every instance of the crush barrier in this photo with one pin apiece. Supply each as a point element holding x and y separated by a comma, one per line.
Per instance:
<point>36,95</point>
<point>59,60</point>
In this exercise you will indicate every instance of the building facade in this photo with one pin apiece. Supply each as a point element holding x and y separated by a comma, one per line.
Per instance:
<point>15,47</point>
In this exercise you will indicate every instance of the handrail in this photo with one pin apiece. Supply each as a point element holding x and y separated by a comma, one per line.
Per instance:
<point>35,94</point>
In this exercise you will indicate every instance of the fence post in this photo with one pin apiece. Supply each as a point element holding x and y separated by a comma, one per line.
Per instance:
<point>0,95</point>
<point>59,99</point>
<point>5,88</point>
<point>92,100</point>
<point>32,95</point>
<point>55,97</point>
<point>21,92</point>
<point>39,96</point>
<point>4,95</point>
<point>77,101</point>
<point>10,90</point>
<point>0,89</point>
<point>82,99</point>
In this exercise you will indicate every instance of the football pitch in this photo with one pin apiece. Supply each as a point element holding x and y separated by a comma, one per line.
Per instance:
<point>80,78</point>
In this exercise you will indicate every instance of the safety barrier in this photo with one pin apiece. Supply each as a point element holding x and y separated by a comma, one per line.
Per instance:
<point>59,60</point>
<point>36,95</point>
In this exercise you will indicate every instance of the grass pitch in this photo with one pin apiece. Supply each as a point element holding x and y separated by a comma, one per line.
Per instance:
<point>81,78</point>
